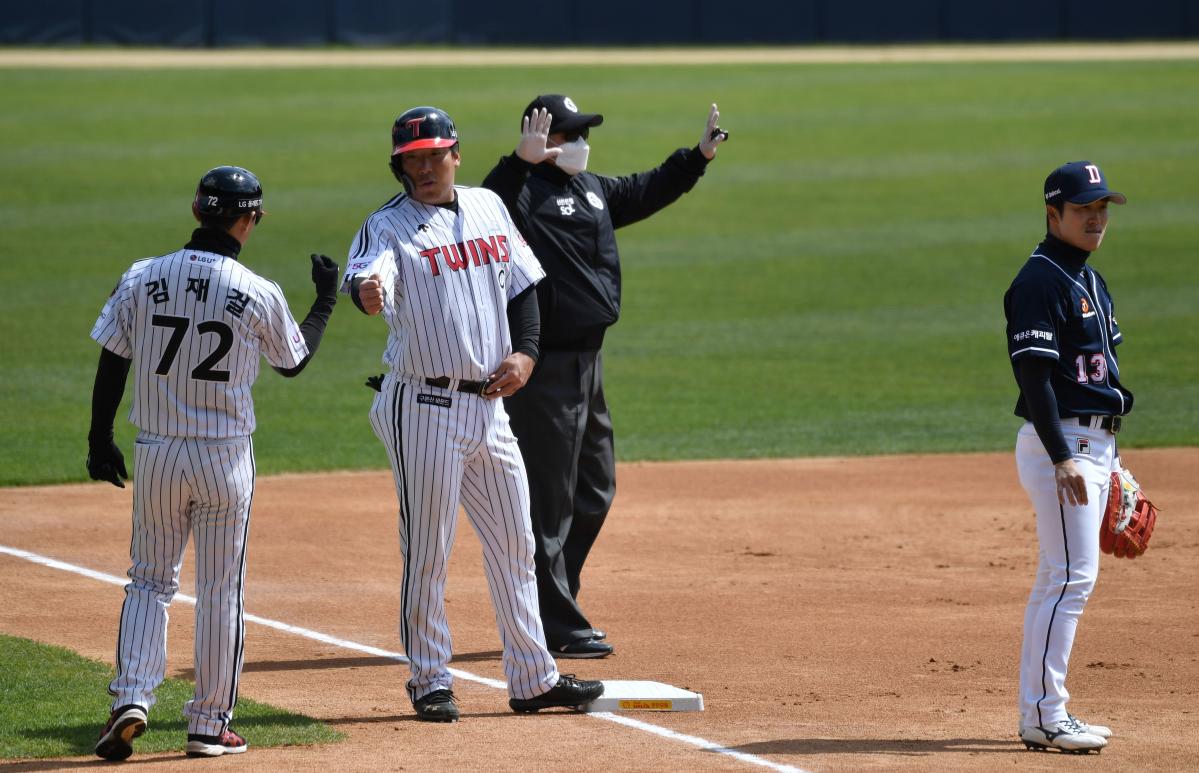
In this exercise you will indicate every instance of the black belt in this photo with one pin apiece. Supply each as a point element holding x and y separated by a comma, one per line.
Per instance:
<point>1110,423</point>
<point>470,387</point>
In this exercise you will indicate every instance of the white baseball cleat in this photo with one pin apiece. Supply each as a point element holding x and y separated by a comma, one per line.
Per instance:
<point>1066,736</point>
<point>1100,730</point>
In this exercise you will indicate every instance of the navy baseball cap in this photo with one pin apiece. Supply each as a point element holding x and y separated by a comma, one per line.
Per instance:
<point>1079,182</point>
<point>565,113</point>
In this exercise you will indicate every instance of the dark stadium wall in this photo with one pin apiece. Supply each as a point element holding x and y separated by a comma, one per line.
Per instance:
<point>226,23</point>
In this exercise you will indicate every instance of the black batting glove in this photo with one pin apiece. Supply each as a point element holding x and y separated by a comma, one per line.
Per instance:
<point>106,462</point>
<point>325,273</point>
<point>375,382</point>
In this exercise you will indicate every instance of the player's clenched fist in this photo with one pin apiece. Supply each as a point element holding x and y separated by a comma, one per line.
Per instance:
<point>370,292</point>
<point>325,273</point>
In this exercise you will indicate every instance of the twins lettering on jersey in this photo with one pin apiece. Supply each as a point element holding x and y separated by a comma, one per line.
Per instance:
<point>474,252</point>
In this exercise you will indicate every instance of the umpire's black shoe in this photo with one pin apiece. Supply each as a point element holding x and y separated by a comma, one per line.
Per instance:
<point>567,693</point>
<point>437,706</point>
<point>591,647</point>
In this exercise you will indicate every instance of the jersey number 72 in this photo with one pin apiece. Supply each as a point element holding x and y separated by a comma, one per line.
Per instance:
<point>178,327</point>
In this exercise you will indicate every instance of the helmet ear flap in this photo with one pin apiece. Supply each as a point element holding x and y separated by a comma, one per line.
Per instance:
<point>397,170</point>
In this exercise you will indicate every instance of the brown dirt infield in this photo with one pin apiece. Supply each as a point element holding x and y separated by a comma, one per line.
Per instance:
<point>836,614</point>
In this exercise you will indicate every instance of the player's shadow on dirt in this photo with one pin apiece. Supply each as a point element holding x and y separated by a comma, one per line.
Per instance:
<point>903,747</point>
<point>314,664</point>
<point>92,762</point>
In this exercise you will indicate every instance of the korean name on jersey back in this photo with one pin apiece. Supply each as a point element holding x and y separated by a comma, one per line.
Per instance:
<point>194,324</point>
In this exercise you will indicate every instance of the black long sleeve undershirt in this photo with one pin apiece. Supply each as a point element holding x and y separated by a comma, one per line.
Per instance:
<point>111,373</point>
<point>313,329</point>
<point>524,322</point>
<point>1034,373</point>
<point>524,318</point>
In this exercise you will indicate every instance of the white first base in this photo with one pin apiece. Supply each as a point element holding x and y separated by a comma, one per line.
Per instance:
<point>645,696</point>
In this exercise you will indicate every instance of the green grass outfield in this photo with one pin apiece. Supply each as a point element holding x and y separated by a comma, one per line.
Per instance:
<point>72,706</point>
<point>832,286</point>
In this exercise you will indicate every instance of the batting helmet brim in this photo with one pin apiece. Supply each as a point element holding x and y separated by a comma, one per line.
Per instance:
<point>432,142</point>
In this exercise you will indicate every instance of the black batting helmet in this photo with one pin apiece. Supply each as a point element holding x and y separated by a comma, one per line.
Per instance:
<point>423,127</point>
<point>228,191</point>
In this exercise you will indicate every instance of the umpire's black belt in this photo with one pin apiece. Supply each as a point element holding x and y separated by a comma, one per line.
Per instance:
<point>464,385</point>
<point>1110,423</point>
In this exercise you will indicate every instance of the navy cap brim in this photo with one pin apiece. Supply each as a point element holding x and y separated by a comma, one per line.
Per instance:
<point>1086,197</point>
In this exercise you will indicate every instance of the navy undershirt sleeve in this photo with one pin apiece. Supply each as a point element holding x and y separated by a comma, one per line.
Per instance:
<point>1034,375</point>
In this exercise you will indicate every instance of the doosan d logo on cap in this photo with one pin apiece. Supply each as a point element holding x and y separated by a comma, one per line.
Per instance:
<point>1079,182</point>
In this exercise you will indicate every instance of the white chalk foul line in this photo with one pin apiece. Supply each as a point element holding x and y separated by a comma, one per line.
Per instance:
<point>325,638</point>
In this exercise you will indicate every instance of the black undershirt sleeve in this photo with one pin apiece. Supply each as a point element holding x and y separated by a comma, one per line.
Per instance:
<point>111,373</point>
<point>524,321</point>
<point>356,293</point>
<point>313,329</point>
<point>1034,375</point>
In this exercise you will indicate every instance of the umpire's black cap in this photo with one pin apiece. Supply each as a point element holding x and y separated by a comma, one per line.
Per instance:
<point>566,115</point>
<point>1079,182</point>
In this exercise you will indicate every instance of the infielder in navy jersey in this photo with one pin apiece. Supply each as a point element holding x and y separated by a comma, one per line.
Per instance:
<point>191,326</point>
<point>1062,337</point>
<point>453,279</point>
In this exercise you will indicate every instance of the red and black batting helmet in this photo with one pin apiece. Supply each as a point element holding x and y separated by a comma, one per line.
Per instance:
<point>423,127</point>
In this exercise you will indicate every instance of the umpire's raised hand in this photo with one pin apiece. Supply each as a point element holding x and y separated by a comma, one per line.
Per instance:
<point>534,137</point>
<point>713,135</point>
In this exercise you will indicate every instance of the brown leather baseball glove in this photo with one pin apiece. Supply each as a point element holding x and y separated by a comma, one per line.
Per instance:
<point>1129,520</point>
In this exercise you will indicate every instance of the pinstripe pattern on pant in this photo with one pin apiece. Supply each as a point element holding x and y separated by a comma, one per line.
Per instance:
<point>441,455</point>
<point>187,487</point>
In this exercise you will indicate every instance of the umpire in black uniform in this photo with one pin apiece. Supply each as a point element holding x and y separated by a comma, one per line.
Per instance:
<point>560,418</point>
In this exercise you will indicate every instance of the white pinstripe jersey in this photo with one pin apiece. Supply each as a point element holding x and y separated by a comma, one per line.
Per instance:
<point>194,324</point>
<point>447,278</point>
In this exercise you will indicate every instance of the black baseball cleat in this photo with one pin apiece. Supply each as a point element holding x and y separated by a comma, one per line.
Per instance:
<point>437,706</point>
<point>568,693</point>
<point>228,742</point>
<point>124,724</point>
<point>591,647</point>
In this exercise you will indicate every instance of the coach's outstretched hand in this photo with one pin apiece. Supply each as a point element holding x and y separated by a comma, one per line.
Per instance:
<point>325,273</point>
<point>106,462</point>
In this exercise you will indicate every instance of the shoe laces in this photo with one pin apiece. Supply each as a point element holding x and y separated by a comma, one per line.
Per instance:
<point>440,696</point>
<point>1074,724</point>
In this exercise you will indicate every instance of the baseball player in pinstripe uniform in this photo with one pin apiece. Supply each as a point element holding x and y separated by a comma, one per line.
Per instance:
<point>191,325</point>
<point>454,281</point>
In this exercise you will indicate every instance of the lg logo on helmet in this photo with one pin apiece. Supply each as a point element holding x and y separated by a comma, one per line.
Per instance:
<point>1093,173</point>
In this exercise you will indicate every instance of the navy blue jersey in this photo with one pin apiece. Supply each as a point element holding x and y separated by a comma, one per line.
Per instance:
<point>1058,307</point>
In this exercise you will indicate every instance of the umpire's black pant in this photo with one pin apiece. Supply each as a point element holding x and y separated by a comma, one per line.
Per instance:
<point>561,422</point>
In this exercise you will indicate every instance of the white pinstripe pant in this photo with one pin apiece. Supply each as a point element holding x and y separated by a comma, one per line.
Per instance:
<point>181,486</point>
<point>444,447</point>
